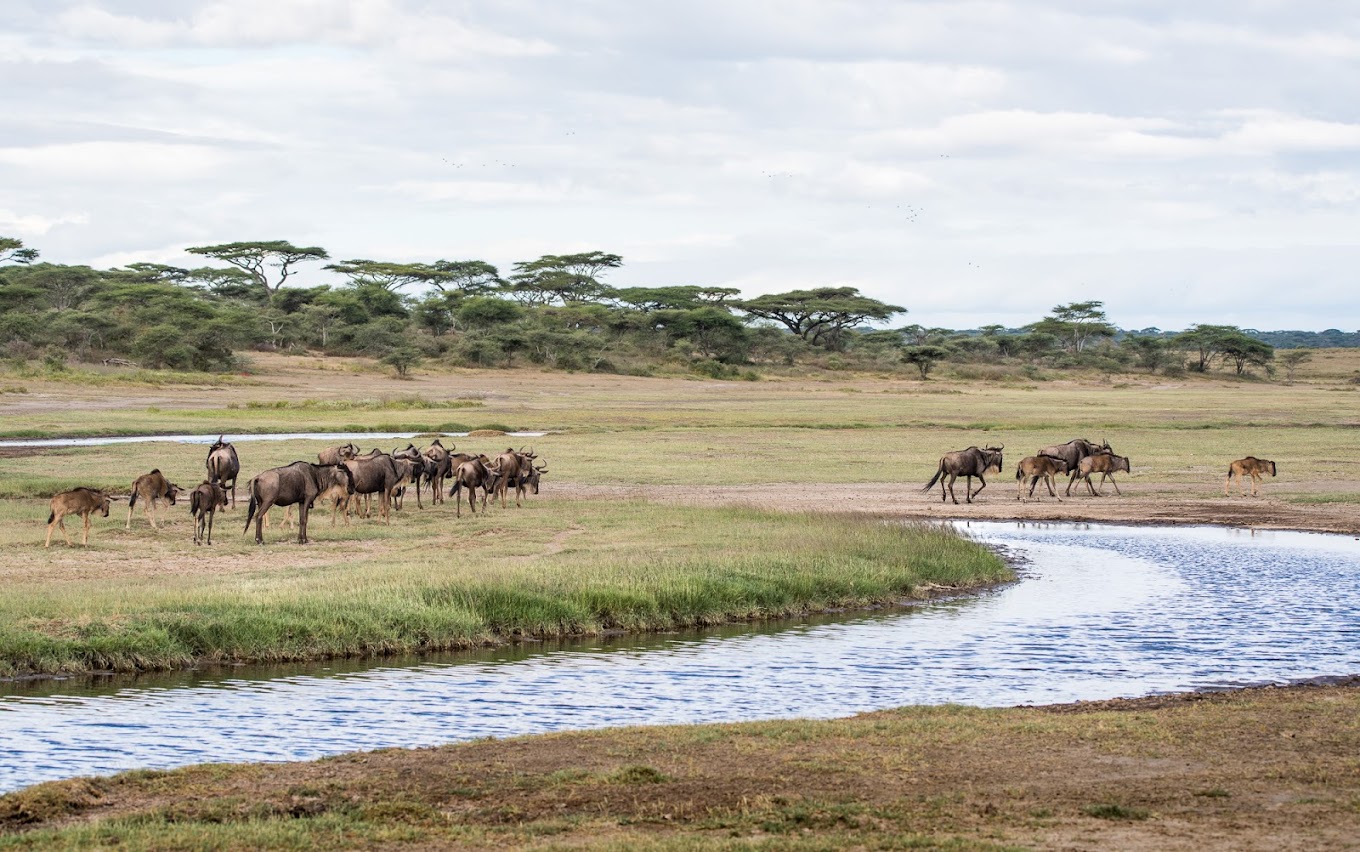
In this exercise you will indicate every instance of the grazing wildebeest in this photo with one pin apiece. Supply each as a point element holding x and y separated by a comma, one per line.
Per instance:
<point>1249,466</point>
<point>375,473</point>
<point>204,501</point>
<point>1035,468</point>
<point>297,484</point>
<point>78,501</point>
<point>471,474</point>
<point>337,455</point>
<point>151,488</point>
<point>535,474</point>
<point>974,461</point>
<point>224,466</point>
<point>1105,464</point>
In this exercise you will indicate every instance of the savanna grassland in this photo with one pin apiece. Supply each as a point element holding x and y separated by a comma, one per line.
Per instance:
<point>669,502</point>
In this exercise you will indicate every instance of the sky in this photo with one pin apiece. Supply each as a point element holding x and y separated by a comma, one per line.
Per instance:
<point>973,162</point>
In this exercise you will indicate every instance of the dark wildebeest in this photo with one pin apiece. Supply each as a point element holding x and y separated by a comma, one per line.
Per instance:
<point>151,488</point>
<point>409,471</point>
<point>974,461</point>
<point>1249,466</point>
<point>1105,464</point>
<point>224,466</point>
<point>1035,468</point>
<point>78,501</point>
<point>297,484</point>
<point>471,474</point>
<point>337,455</point>
<point>338,498</point>
<point>204,501</point>
<point>375,473</point>
<point>440,467</point>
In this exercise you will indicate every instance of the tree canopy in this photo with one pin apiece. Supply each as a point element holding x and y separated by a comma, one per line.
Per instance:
<point>820,316</point>
<point>257,258</point>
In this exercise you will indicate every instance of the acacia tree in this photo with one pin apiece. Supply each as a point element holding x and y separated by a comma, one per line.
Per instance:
<point>1243,350</point>
<point>12,250</point>
<point>821,315</point>
<point>1203,343</point>
<point>924,357</point>
<point>562,278</point>
<point>1076,325</point>
<point>257,258</point>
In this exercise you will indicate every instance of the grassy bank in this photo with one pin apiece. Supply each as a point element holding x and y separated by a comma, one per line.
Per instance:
<point>140,600</point>
<point>1256,769</point>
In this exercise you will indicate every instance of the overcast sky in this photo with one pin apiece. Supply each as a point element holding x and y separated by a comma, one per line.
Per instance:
<point>973,162</point>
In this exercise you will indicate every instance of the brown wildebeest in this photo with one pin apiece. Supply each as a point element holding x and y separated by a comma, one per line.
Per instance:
<point>204,501</point>
<point>441,468</point>
<point>409,471</point>
<point>1105,464</point>
<point>1075,450</point>
<point>224,466</point>
<point>336,495</point>
<point>471,474</point>
<point>375,473</point>
<point>1035,468</point>
<point>1249,466</point>
<point>511,468</point>
<point>974,461</point>
<point>151,488</point>
<point>337,455</point>
<point>78,501</point>
<point>297,484</point>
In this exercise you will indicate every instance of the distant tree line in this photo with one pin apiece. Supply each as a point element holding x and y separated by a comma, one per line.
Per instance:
<point>557,311</point>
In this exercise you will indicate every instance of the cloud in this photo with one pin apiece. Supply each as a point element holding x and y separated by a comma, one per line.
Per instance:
<point>35,225</point>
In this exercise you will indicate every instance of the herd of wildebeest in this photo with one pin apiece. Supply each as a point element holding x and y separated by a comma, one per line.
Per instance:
<point>341,476</point>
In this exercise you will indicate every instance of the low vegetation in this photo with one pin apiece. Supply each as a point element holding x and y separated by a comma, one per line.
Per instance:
<point>1265,768</point>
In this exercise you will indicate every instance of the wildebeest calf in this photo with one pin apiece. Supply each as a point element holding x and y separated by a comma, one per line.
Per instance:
<point>78,501</point>
<point>151,488</point>
<point>1249,466</point>
<point>204,501</point>
<point>1105,464</point>
<point>1035,468</point>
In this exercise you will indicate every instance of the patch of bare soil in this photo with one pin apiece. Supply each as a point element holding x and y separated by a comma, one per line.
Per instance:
<point>1252,769</point>
<point>1140,504</point>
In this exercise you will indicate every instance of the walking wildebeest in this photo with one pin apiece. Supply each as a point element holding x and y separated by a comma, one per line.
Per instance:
<point>471,474</point>
<point>297,484</point>
<point>511,468</point>
<point>224,466</point>
<point>337,455</point>
<point>78,501</point>
<point>375,473</point>
<point>974,461</point>
<point>1035,468</point>
<point>1105,464</point>
<point>204,501</point>
<point>1249,466</point>
<point>1074,451</point>
<point>151,488</point>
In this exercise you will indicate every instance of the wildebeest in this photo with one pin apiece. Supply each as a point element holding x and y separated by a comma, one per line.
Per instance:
<point>1105,464</point>
<point>204,501</point>
<point>78,501</point>
<point>511,468</point>
<point>409,471</point>
<point>375,473</point>
<point>224,466</point>
<point>974,461</point>
<point>1035,468</point>
<point>1075,450</point>
<point>1249,466</point>
<point>297,484</point>
<point>471,474</point>
<point>337,455</point>
<point>151,488</point>
<point>337,496</point>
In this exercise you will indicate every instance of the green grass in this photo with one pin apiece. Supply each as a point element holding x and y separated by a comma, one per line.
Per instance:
<point>136,600</point>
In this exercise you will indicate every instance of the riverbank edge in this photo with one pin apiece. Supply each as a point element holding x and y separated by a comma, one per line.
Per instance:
<point>1251,767</point>
<point>919,595</point>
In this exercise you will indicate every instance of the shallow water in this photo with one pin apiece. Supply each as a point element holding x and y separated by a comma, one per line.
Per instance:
<point>1101,612</point>
<point>341,437</point>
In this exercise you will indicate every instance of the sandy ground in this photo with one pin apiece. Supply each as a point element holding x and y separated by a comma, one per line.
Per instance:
<point>1141,504</point>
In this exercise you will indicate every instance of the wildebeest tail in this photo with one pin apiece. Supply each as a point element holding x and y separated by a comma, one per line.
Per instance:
<point>934,479</point>
<point>194,504</point>
<point>51,516</point>
<point>254,504</point>
<point>132,501</point>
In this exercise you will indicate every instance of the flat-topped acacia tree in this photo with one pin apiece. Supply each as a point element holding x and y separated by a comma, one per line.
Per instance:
<point>255,258</point>
<point>821,315</point>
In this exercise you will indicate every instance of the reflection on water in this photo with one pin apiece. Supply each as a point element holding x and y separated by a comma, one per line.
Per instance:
<point>1102,611</point>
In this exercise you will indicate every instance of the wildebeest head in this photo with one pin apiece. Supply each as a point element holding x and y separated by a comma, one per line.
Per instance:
<point>172,492</point>
<point>1272,467</point>
<point>991,457</point>
<point>535,473</point>
<point>104,502</point>
<point>340,475</point>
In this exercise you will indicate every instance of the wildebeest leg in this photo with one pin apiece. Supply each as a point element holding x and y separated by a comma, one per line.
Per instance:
<point>1255,478</point>
<point>1115,484</point>
<point>973,494</point>
<point>1089,486</point>
<point>265,506</point>
<point>60,523</point>
<point>304,509</point>
<point>952,477</point>
<point>85,539</point>
<point>1048,480</point>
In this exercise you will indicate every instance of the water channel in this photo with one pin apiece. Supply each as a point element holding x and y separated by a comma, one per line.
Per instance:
<point>1100,611</point>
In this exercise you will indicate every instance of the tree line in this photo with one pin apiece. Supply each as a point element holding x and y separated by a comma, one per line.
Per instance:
<point>556,311</point>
